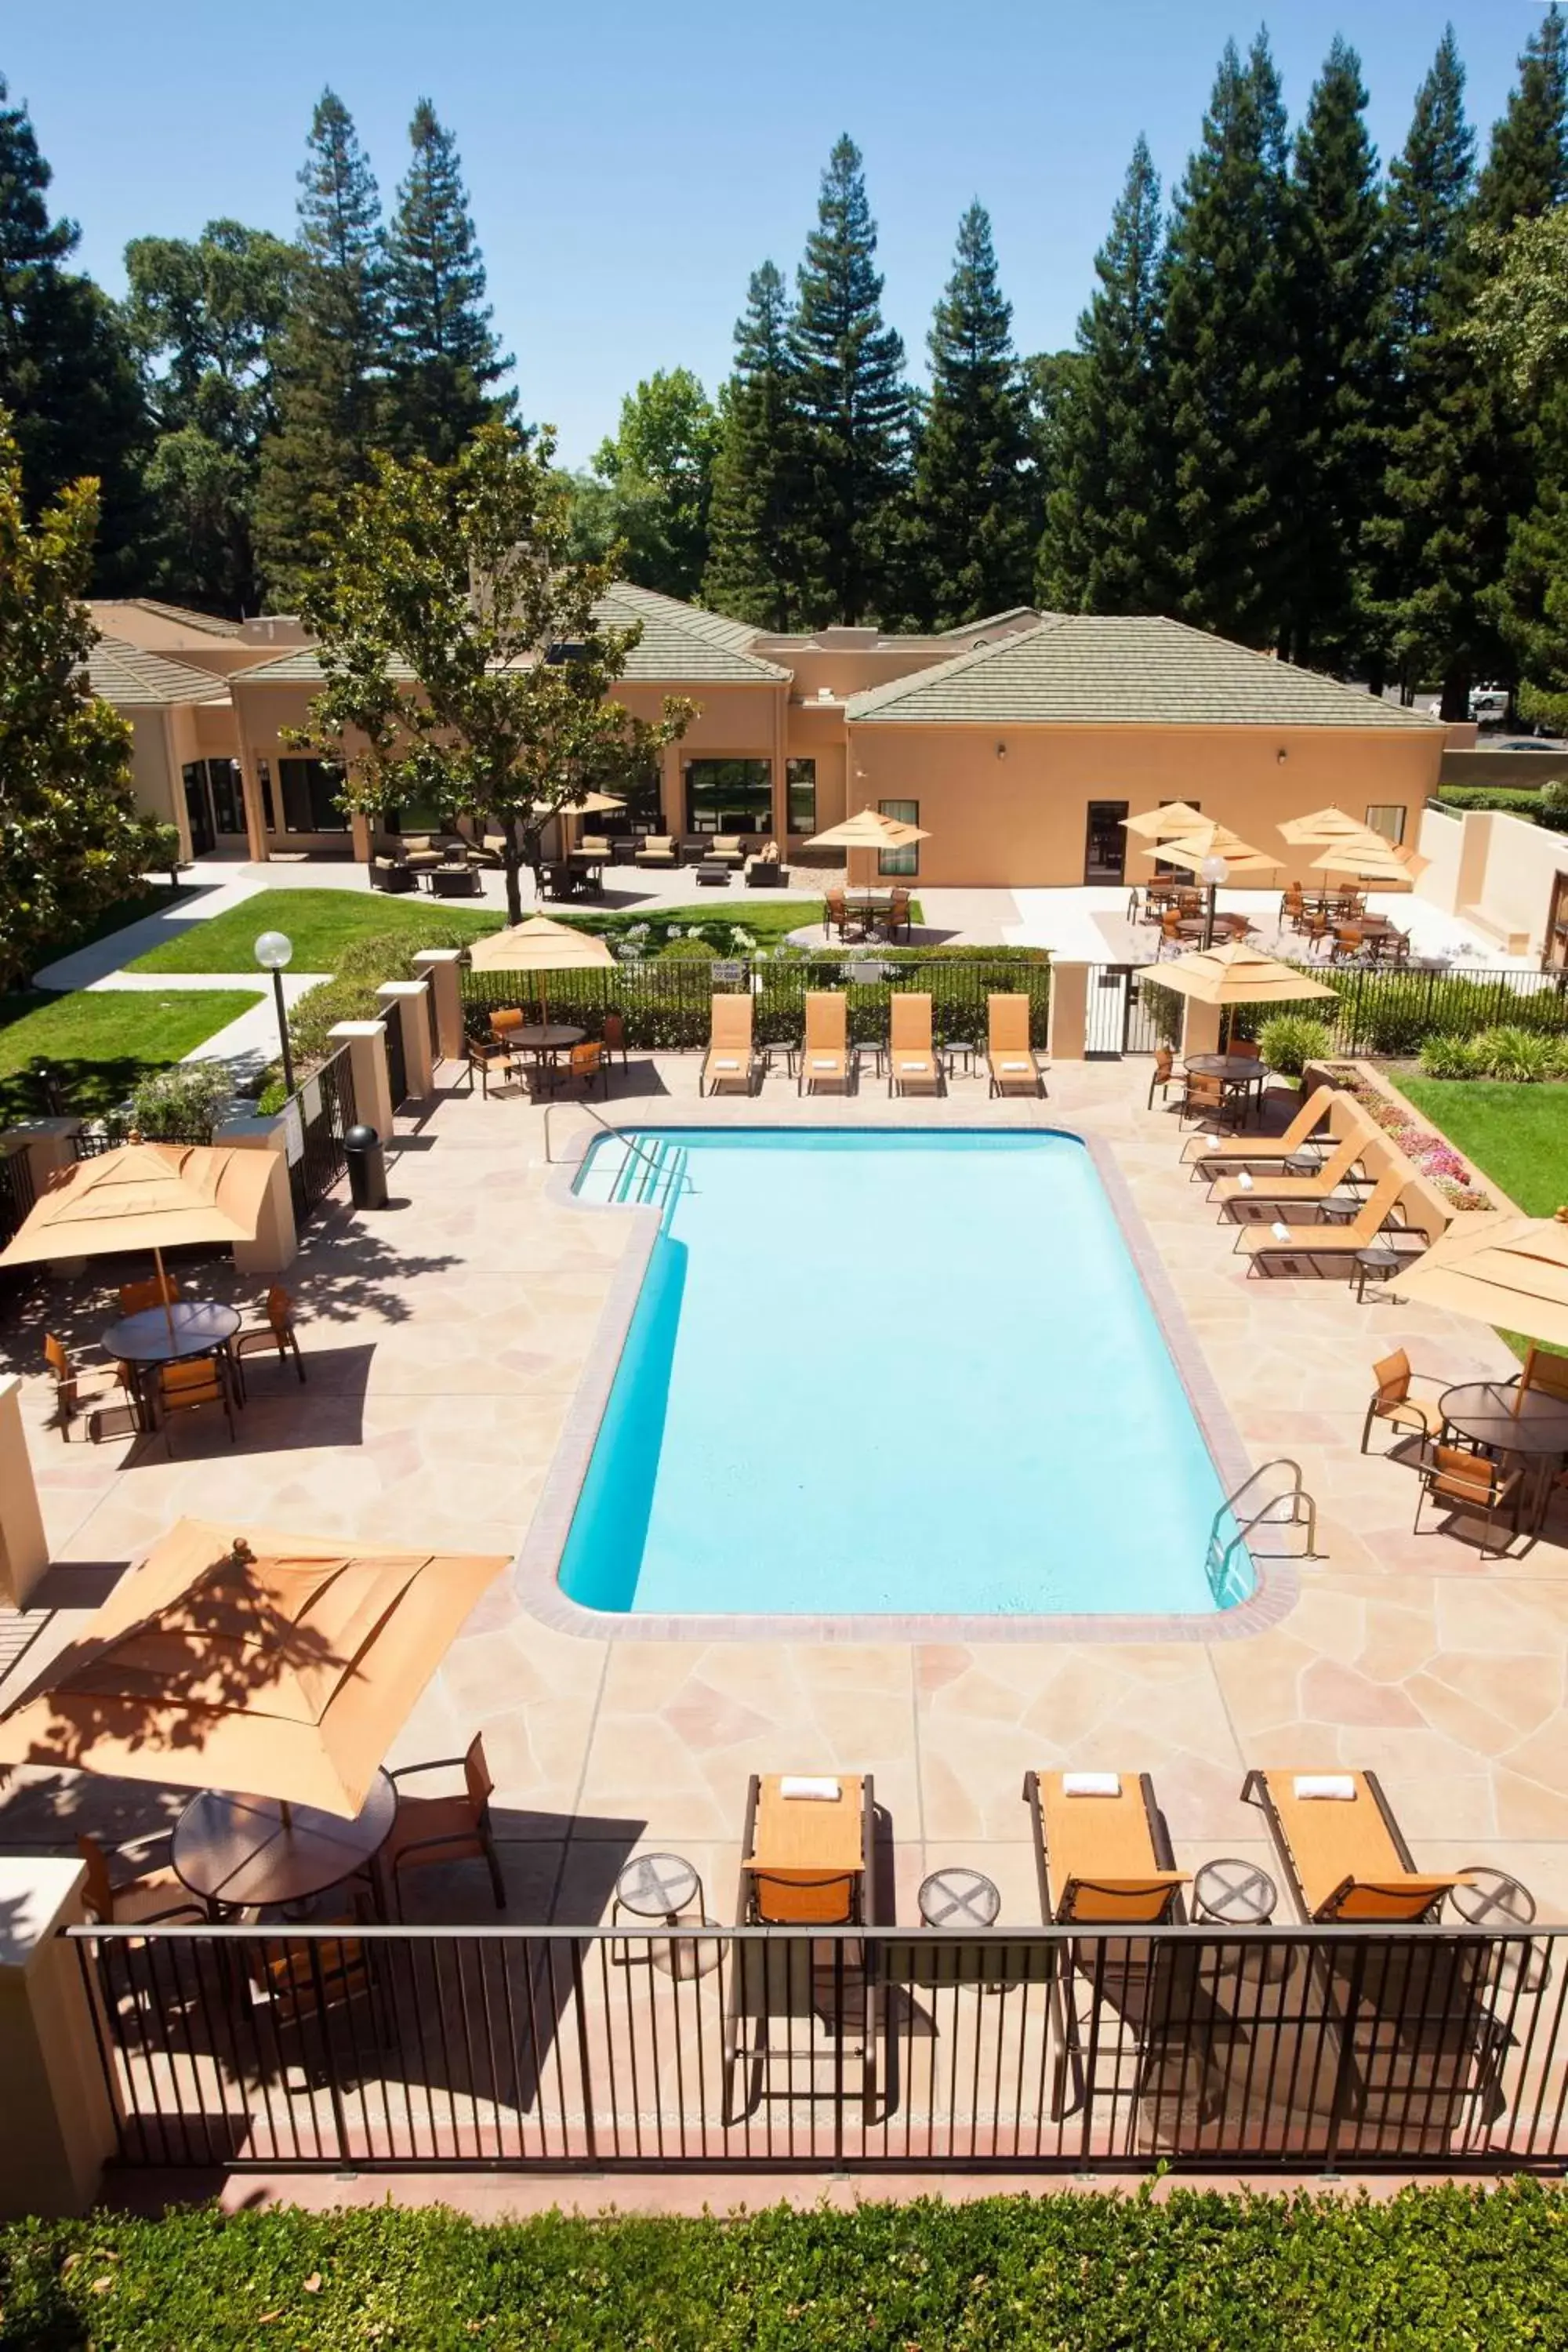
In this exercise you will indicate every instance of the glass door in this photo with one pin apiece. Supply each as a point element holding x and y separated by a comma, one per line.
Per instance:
<point>198,809</point>
<point>901,861</point>
<point>1105,843</point>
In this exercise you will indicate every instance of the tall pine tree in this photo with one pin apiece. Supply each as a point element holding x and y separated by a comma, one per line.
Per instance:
<point>974,513</point>
<point>1339,299</point>
<point>443,358</point>
<point>854,410</point>
<point>1231,370</point>
<point>330,377</point>
<point>67,378</point>
<point>1526,169</point>
<point>751,556</point>
<point>1101,552</point>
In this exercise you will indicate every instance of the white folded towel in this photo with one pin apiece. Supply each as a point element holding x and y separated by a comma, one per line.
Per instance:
<point>1091,1784</point>
<point>825,1061</point>
<point>813,1791</point>
<point>914,1066</point>
<point>1340,1786</point>
<point>725,1062</point>
<point>1014,1066</point>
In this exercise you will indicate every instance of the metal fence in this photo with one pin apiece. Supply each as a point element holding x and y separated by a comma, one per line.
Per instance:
<point>317,1118</point>
<point>1307,2048</point>
<point>17,1190</point>
<point>1371,1011</point>
<point>91,1143</point>
<point>665,1002</point>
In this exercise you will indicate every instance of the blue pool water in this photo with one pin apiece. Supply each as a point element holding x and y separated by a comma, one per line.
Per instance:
<point>887,1372</point>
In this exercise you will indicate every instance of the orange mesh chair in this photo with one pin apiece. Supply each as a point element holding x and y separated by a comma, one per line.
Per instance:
<point>1102,1855</point>
<point>184,1388</point>
<point>1228,1190</point>
<point>614,1036</point>
<point>1342,1848</point>
<point>1549,1373</point>
<point>586,1062</point>
<point>912,1056</point>
<point>1009,1057</point>
<point>490,1057</point>
<point>277,1333</point>
<point>1391,1401</point>
<point>1242,1150</point>
<point>806,1860</point>
<point>88,1393</point>
<point>150,1893</point>
<point>731,1057</point>
<point>431,1831</point>
<point>140,1297</point>
<point>1471,1485</point>
<point>1164,1075</point>
<point>824,1056</point>
<point>505,1023</point>
<point>1260,1242</point>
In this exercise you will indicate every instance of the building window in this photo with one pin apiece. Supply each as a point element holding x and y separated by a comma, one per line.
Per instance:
<point>729,796</point>
<point>1105,841</point>
<point>801,777</point>
<point>228,801</point>
<point>310,788</point>
<point>901,861</point>
<point>1387,817</point>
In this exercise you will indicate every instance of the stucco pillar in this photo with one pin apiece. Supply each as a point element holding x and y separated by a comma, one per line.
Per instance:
<point>276,1240</point>
<point>59,2120</point>
<point>366,1042</point>
<point>443,971</point>
<point>1067,1021</point>
<point>359,834</point>
<point>249,787</point>
<point>670,796</point>
<point>1200,1027</point>
<point>412,999</point>
<point>179,815</point>
<point>47,1143</point>
<point>24,1549</point>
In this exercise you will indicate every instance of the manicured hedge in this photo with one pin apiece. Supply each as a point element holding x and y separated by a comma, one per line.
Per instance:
<point>1511,800</point>
<point>1434,2270</point>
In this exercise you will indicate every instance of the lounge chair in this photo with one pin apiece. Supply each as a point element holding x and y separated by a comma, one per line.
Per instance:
<point>658,849</point>
<point>1342,1848</point>
<point>1103,1860</point>
<point>806,1855</point>
<point>1471,1485</point>
<point>1228,1190</point>
<point>1009,1057</point>
<point>732,1058</point>
<point>1243,1152</point>
<point>1258,1242</point>
<point>911,1057</point>
<point>824,1056</point>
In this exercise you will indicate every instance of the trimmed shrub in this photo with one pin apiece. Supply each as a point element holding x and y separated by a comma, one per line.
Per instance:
<point>1290,1040</point>
<point>1165,1010</point>
<point>1520,1054</point>
<point>181,1105</point>
<point>692,948</point>
<point>1450,1058</point>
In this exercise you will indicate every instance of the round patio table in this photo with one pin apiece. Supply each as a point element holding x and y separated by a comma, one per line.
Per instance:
<point>160,1335</point>
<point>547,1036</point>
<point>1243,1070</point>
<point>1528,1423</point>
<point>237,1851</point>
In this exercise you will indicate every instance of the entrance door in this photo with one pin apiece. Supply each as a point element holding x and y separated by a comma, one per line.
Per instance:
<point>1105,847</point>
<point>198,809</point>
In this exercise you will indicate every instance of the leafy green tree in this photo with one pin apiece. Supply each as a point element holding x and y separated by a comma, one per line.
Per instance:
<point>752,538</point>
<point>1526,169</point>
<point>66,376</point>
<point>652,485</point>
<point>444,360</point>
<point>71,841</point>
<point>1339,298</point>
<point>460,577</point>
<point>974,512</point>
<point>1231,371</point>
<point>852,406</point>
<point>204,315</point>
<point>330,374</point>
<point>1519,331</point>
<point>1105,459</point>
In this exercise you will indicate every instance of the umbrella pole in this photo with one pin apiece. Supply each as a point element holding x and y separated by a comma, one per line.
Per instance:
<point>164,1294</point>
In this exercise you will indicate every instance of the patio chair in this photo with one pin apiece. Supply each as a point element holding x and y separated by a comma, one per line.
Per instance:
<point>139,1297</point>
<point>1548,1373</point>
<point>277,1335</point>
<point>1258,1242</point>
<point>732,1058</point>
<point>898,918</point>
<point>1102,1852</point>
<point>1391,1401</point>
<point>1010,1059</point>
<point>586,1062</point>
<point>1227,1190</point>
<point>148,1894</point>
<point>304,1983</point>
<point>393,875</point>
<point>763,870</point>
<point>186,1387</point>
<point>824,1056</point>
<point>1204,1098</point>
<point>1293,908</point>
<point>1165,1077</point>
<point>1234,1150</point>
<point>1348,944</point>
<point>658,849</point>
<point>912,1056</point>
<point>90,1393</point>
<point>1171,923</point>
<point>1244,1049</point>
<point>595,845</point>
<point>1471,1485</point>
<point>613,1030</point>
<point>429,1832</point>
<point>490,1058</point>
<point>1342,1850</point>
<point>727,849</point>
<point>839,917</point>
<point>506,1020</point>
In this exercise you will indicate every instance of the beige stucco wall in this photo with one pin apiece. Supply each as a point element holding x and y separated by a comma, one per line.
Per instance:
<point>1019,820</point>
<point>1498,871</point>
<point>1441,843</point>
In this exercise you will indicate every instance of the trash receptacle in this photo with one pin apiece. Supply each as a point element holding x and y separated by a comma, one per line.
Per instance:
<point>367,1168</point>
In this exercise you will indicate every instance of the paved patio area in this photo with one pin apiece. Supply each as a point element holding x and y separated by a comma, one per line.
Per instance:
<point>444,1339</point>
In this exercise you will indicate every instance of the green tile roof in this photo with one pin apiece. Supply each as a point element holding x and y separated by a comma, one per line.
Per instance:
<point>300,665</point>
<point>132,679</point>
<point>1076,669</point>
<point>212,625</point>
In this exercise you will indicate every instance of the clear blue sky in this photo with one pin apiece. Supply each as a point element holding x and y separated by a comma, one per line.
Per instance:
<point>631,162</point>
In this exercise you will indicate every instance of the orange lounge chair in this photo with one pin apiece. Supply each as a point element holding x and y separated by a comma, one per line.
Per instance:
<point>806,1860</point>
<point>1103,1860</point>
<point>825,1056</point>
<point>732,1058</point>
<point>1228,1190</point>
<point>1344,1856</point>
<point>1009,1057</point>
<point>1258,1242</point>
<point>1245,1152</point>
<point>911,1057</point>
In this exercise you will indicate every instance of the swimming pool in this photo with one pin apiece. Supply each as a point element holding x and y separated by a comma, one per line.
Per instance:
<point>876,1373</point>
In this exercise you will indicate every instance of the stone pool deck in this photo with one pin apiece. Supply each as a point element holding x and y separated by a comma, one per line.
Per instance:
<point>444,1342</point>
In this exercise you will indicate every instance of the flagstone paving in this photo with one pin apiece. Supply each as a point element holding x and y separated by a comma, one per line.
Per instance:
<point>444,1340</point>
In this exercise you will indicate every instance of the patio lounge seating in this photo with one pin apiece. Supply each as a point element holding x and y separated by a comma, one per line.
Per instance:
<point>185,1387</point>
<point>911,1057</point>
<point>393,874</point>
<point>1102,1852</point>
<point>728,849</point>
<point>277,1334</point>
<point>490,1058</point>
<point>1391,1401</point>
<point>658,849</point>
<point>1241,1152</point>
<point>1342,1848</point>
<point>1317,1187</point>
<point>584,1063</point>
<point>806,1852</point>
<point>1471,1485</point>
<point>149,1894</point>
<point>732,1058</point>
<point>763,871</point>
<point>824,1056</point>
<point>139,1297</point>
<point>431,1832</point>
<point>713,873</point>
<point>1009,1057</point>
<point>1258,1242</point>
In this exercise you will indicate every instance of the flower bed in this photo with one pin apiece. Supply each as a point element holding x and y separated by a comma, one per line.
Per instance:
<point>1430,1154</point>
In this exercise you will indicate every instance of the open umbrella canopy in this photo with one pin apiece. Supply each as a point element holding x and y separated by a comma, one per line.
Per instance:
<point>1318,826</point>
<point>266,1665</point>
<point>869,829</point>
<point>1513,1274</point>
<point>1238,975</point>
<point>146,1196</point>
<point>586,804</point>
<point>540,945</point>
<point>1160,824</point>
<point>1371,858</point>
<point>1193,848</point>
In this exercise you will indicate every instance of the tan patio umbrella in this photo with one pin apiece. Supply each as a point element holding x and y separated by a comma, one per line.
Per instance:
<point>1158,824</point>
<point>541,946</point>
<point>1192,849</point>
<point>264,1664</point>
<point>1513,1274</point>
<point>1318,826</point>
<point>869,829</point>
<point>146,1196</point>
<point>1238,975</point>
<point>1371,857</point>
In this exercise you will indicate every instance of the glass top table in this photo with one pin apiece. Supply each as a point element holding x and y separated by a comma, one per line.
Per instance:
<point>165,1335</point>
<point>1501,1414</point>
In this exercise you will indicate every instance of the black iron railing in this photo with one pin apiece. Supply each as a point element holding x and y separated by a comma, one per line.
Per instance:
<point>1304,2048</point>
<point>319,1117</point>
<point>1371,1011</point>
<point>18,1192</point>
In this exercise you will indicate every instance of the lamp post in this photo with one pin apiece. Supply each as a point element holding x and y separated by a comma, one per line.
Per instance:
<point>1214,871</point>
<point>273,951</point>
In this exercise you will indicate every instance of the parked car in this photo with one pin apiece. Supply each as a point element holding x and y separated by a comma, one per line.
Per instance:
<point>1489,705</point>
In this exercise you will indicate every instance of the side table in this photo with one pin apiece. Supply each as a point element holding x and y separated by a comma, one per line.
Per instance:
<point>662,1887</point>
<point>1229,1893</point>
<point>959,1897</point>
<point>1494,1899</point>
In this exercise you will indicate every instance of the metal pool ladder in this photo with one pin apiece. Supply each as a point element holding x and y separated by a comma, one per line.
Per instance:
<point>1301,1511</point>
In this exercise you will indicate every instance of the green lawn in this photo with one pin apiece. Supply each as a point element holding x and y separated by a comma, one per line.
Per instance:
<point>100,1043</point>
<point>1517,1135</point>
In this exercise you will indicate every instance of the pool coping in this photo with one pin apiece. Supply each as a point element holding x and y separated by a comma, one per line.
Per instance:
<point>535,1572</point>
